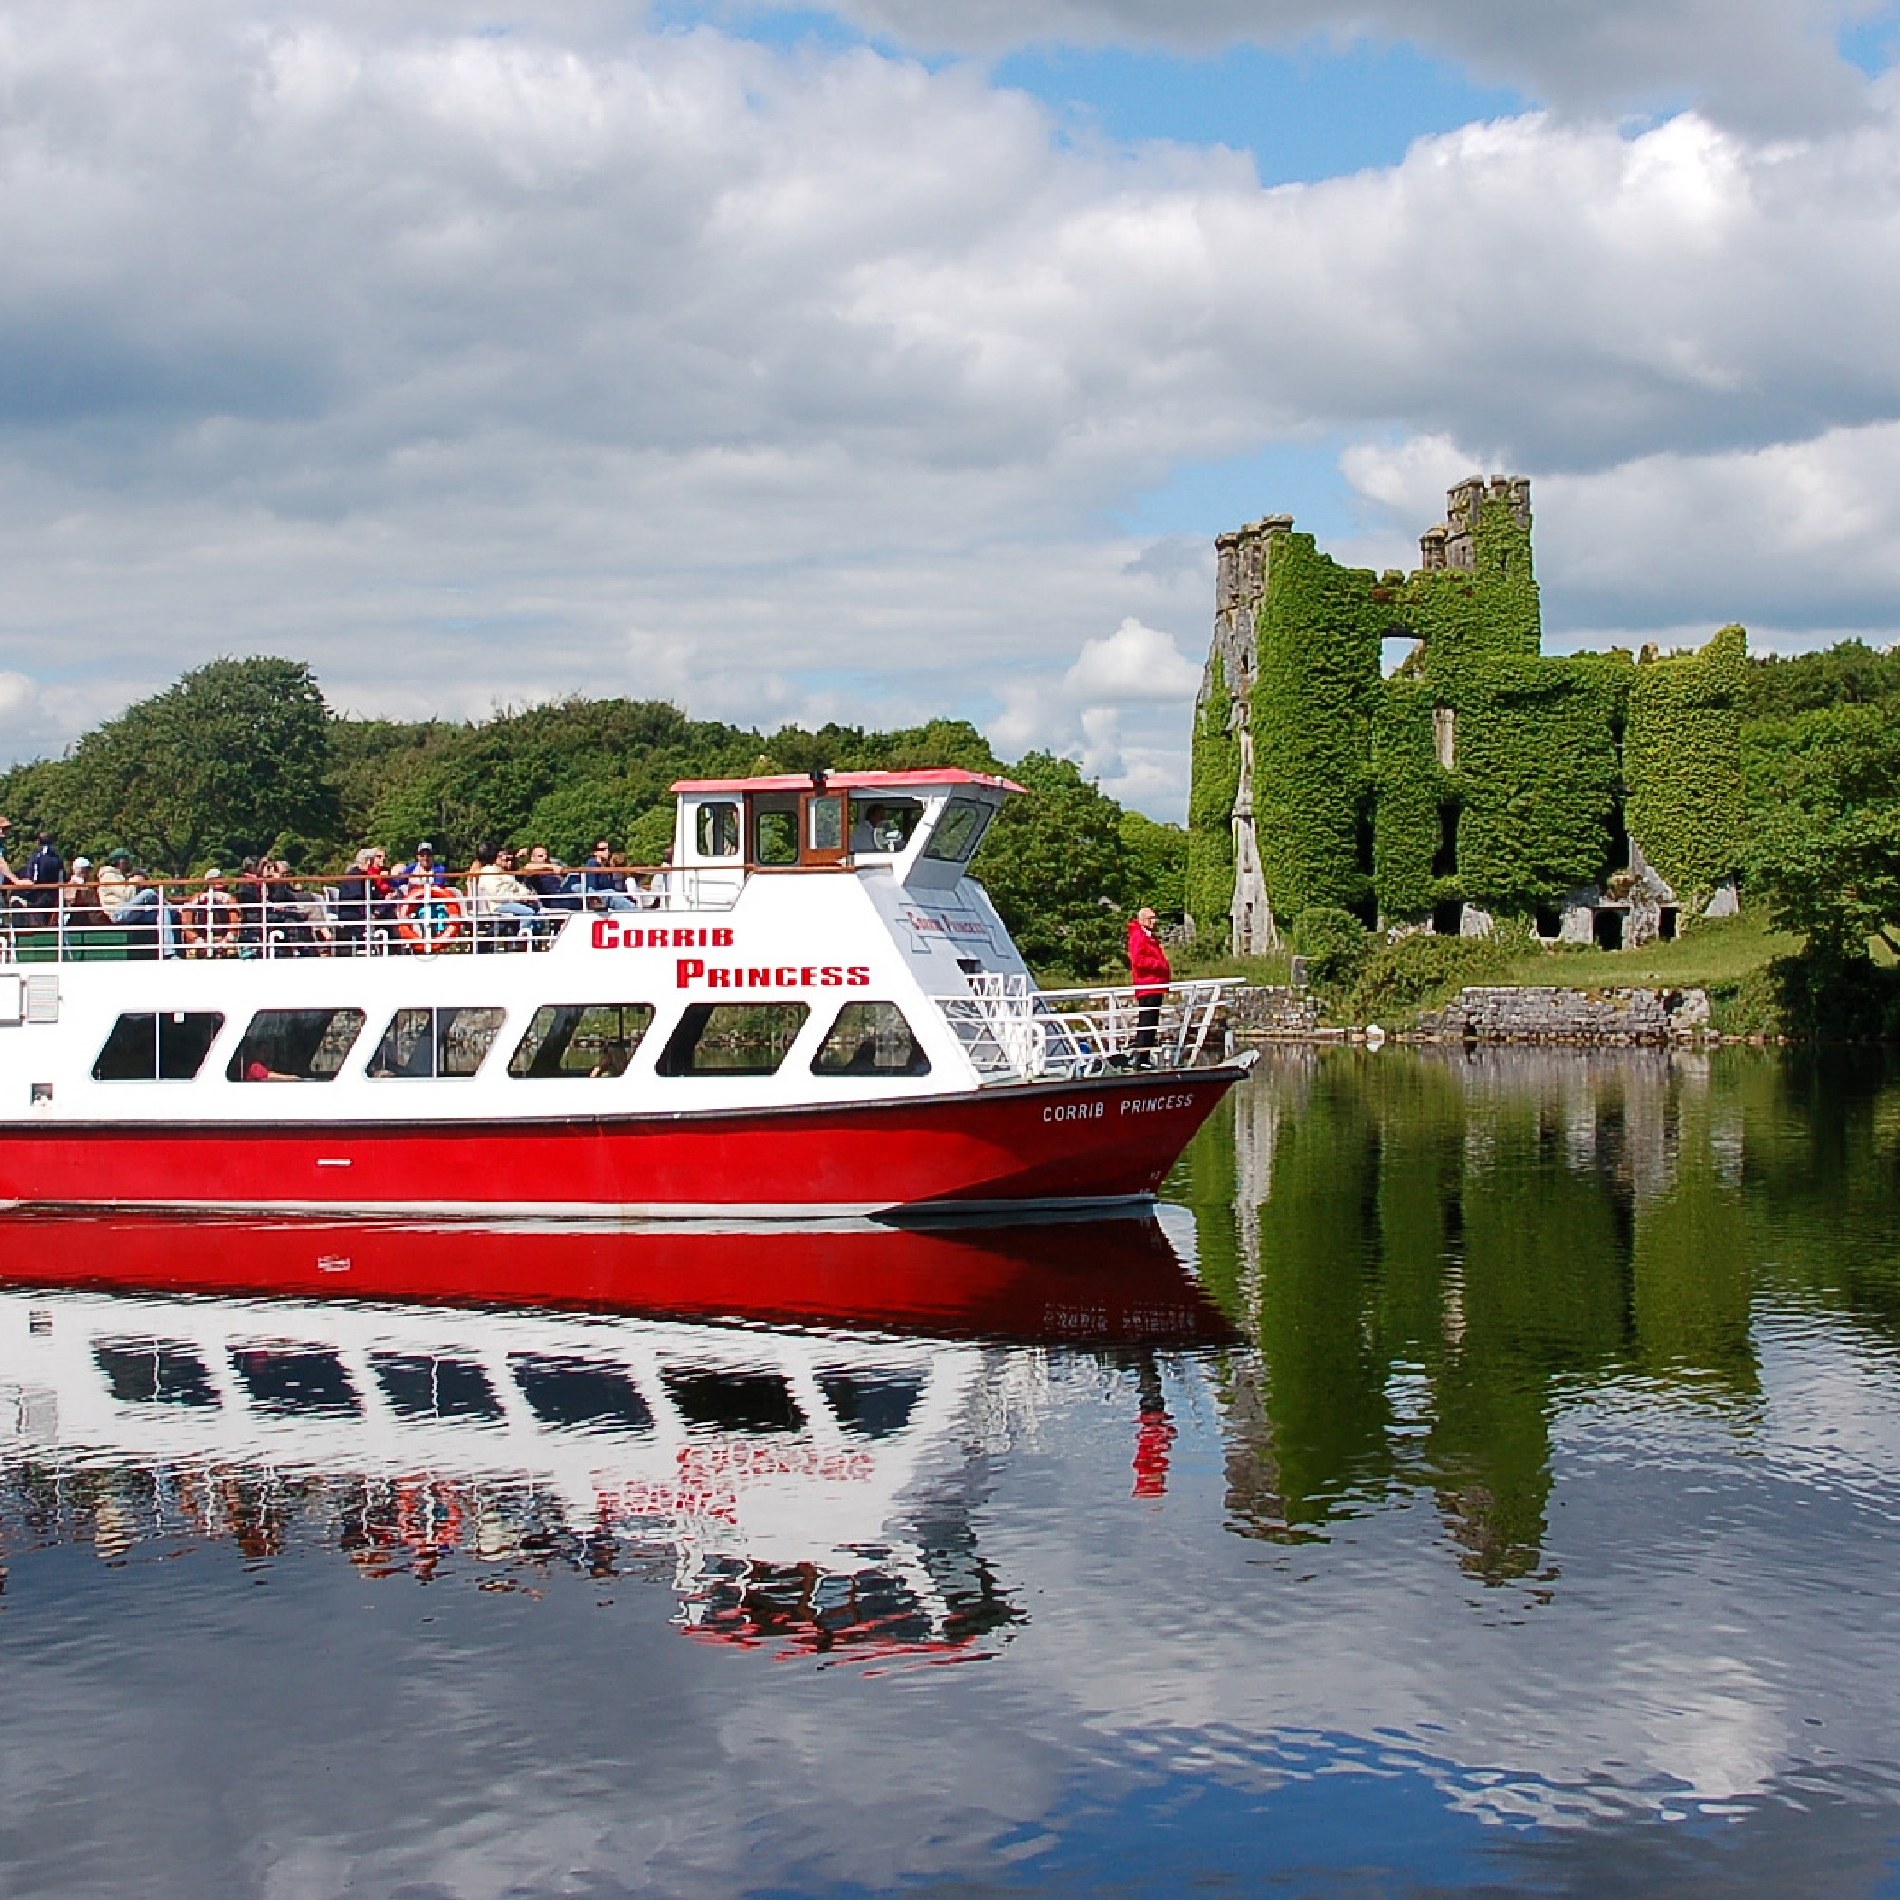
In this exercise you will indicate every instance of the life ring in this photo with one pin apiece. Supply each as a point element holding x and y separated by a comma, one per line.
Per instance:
<point>431,917</point>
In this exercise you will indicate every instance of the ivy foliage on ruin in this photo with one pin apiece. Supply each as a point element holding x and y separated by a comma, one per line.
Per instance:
<point>1682,759</point>
<point>1215,781</point>
<point>1313,704</point>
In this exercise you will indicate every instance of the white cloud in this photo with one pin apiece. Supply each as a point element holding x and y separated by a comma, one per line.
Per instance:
<point>479,368</point>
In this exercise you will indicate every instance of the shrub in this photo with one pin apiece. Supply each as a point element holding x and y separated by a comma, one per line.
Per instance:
<point>1335,945</point>
<point>1420,970</point>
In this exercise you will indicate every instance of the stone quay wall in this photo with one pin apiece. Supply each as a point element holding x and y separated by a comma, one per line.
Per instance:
<point>1583,1018</point>
<point>1270,1012</point>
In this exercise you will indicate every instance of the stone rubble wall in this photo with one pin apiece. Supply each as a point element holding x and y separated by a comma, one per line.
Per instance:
<point>1275,1012</point>
<point>1585,1018</point>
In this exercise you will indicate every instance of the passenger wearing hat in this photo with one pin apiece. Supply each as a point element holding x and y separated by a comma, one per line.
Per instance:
<point>81,898</point>
<point>422,872</point>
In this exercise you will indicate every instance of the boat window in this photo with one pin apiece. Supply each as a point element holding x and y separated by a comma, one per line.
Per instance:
<point>733,1401</point>
<point>419,1385</point>
<point>295,1045</point>
<point>167,1045</point>
<point>154,1372</point>
<point>732,1038</point>
<point>883,824</point>
<point>718,832</point>
<point>870,1039</point>
<point>295,1379</point>
<point>775,836</point>
<point>871,1403</point>
<point>420,1043</point>
<point>585,1039</point>
<point>580,1393</point>
<point>959,831</point>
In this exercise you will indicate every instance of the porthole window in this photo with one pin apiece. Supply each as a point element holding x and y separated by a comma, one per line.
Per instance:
<point>295,1045</point>
<point>732,1038</point>
<point>958,832</point>
<point>594,1040</point>
<point>870,1039</point>
<point>166,1045</point>
<point>424,1043</point>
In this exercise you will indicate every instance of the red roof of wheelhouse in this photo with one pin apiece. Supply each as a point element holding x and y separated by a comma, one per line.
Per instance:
<point>850,781</point>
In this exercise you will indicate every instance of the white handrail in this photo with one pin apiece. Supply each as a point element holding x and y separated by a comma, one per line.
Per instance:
<point>1013,1031</point>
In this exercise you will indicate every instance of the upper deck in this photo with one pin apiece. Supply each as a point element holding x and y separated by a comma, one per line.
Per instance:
<point>832,918</point>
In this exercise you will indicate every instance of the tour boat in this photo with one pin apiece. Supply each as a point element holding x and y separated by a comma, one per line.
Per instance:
<point>813,1010</point>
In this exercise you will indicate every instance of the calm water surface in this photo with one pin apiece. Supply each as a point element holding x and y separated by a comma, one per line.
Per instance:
<point>1483,1478</point>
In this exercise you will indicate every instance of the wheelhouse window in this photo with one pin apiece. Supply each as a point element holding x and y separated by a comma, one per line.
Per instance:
<point>580,1039</point>
<point>295,1045</point>
<point>167,1045</point>
<point>717,830</point>
<point>884,824</point>
<point>581,1394</point>
<point>732,1039</point>
<point>292,1379</point>
<point>958,832</point>
<point>422,1386</point>
<point>424,1043</point>
<point>870,1039</point>
<point>775,834</point>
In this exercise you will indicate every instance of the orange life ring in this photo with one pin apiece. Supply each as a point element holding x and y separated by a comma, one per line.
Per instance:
<point>431,917</point>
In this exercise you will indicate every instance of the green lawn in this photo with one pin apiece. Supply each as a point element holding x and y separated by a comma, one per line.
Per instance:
<point>1714,952</point>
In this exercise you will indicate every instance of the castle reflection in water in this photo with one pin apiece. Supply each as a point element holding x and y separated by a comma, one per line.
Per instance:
<point>1444,1257</point>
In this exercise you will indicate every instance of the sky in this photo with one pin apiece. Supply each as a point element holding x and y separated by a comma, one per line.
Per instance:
<point>903,357</point>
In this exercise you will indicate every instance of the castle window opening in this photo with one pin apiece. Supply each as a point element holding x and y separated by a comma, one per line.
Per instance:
<point>1395,649</point>
<point>1548,922</point>
<point>1447,917</point>
<point>1445,857</point>
<point>1607,928</point>
<point>1667,923</point>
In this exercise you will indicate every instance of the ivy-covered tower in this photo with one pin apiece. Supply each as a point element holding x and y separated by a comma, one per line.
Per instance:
<point>1588,795</point>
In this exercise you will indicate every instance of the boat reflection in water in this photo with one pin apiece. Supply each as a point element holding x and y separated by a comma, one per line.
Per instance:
<point>792,1423</point>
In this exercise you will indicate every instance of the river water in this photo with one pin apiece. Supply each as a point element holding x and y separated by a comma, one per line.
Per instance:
<point>1483,1477</point>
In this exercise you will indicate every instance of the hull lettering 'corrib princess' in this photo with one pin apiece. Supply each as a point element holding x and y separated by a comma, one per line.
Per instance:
<point>812,1011</point>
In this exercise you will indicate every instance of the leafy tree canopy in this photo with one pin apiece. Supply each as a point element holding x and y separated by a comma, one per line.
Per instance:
<point>232,758</point>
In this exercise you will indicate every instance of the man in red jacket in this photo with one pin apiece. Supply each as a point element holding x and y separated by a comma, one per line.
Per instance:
<point>1149,967</point>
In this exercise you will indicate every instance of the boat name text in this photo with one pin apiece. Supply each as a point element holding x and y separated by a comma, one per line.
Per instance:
<point>688,971</point>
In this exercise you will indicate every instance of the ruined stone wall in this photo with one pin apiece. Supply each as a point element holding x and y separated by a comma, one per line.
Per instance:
<point>1583,1018</point>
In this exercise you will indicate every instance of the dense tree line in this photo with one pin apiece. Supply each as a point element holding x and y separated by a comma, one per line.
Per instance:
<point>243,757</point>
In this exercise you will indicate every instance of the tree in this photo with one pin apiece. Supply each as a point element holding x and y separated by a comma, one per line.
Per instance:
<point>1157,863</point>
<point>232,758</point>
<point>1825,852</point>
<point>1057,870</point>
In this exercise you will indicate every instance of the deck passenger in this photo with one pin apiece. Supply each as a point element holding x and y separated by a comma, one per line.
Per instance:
<point>213,920</point>
<point>364,909</point>
<point>135,903</point>
<point>1151,972</point>
<point>45,873</point>
<point>496,891</point>
<point>602,886</point>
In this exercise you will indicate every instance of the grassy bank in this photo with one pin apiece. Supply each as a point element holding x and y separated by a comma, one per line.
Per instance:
<point>1713,954</point>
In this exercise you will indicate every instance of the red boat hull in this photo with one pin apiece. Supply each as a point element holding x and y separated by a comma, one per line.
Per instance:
<point>1097,1281</point>
<point>1107,1140</point>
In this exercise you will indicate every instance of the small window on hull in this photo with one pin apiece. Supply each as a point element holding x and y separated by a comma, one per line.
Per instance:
<point>732,1039</point>
<point>168,1045</point>
<point>295,1045</point>
<point>580,1039</point>
<point>581,1394</point>
<point>420,1386</point>
<point>870,1039</point>
<point>296,1379</point>
<point>424,1043</point>
<point>154,1372</point>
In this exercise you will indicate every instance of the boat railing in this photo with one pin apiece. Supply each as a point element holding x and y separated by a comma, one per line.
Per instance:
<point>278,918</point>
<point>1013,1031</point>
